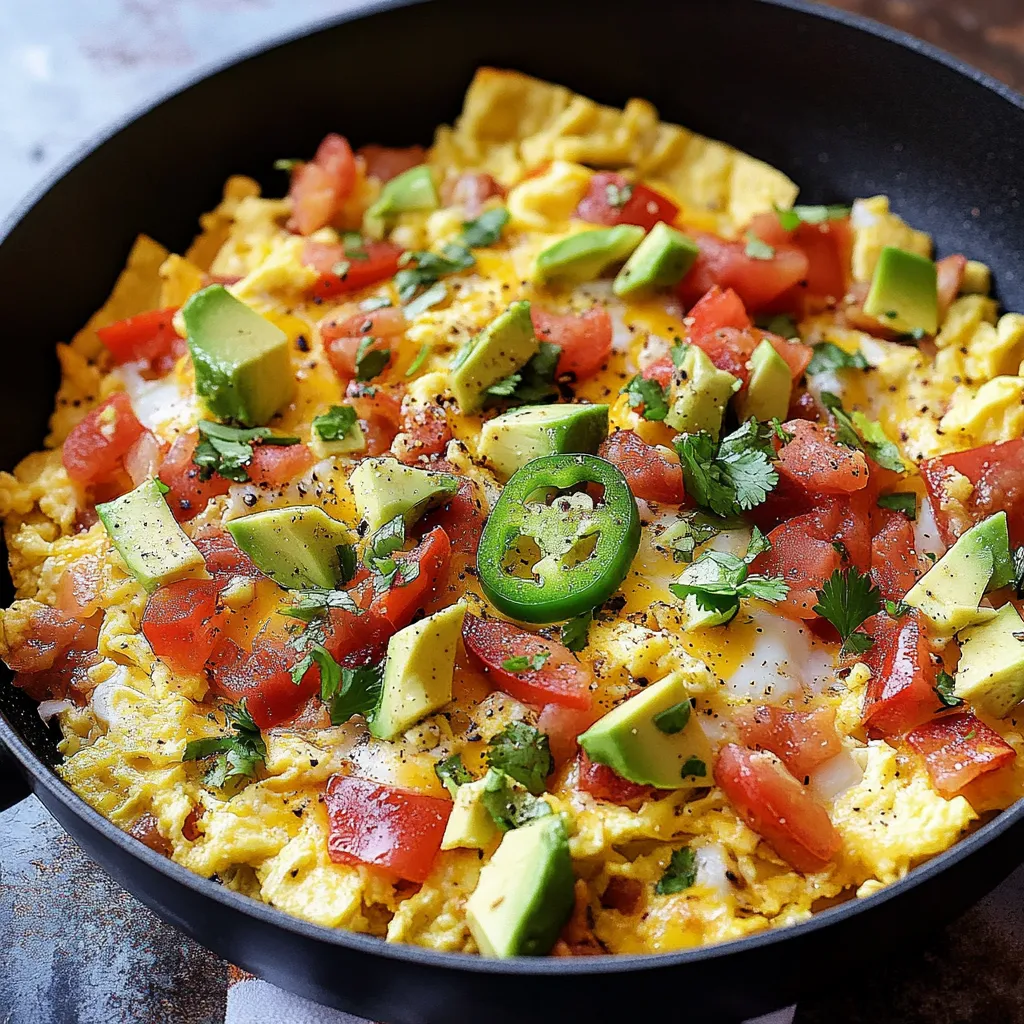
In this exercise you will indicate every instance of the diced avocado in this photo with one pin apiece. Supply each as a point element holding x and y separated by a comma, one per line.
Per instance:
<point>502,347</point>
<point>641,745</point>
<point>661,260</point>
<point>525,893</point>
<point>587,254</point>
<point>904,292</point>
<point>702,395</point>
<point>418,672</point>
<point>242,363</point>
<point>705,618</point>
<point>337,432</point>
<point>990,673</point>
<point>406,193</point>
<point>385,488</point>
<point>770,385</point>
<point>297,547</point>
<point>521,435</point>
<point>950,592</point>
<point>145,533</point>
<point>470,825</point>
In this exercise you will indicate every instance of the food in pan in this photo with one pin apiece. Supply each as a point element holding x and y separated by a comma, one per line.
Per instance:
<point>559,540</point>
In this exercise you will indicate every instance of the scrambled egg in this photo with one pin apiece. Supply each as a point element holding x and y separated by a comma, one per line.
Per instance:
<point>269,839</point>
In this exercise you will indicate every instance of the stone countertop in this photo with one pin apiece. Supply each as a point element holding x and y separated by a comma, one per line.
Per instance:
<point>67,68</point>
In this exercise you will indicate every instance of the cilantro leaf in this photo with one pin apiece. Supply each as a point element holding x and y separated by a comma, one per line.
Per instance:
<point>486,229</point>
<point>330,670</point>
<point>526,662</point>
<point>385,540</point>
<point>781,324</point>
<point>370,361</point>
<point>352,691</point>
<point>944,684</point>
<point>895,609</point>
<point>901,501</point>
<point>694,528</point>
<point>693,766</point>
<point>509,804</point>
<point>829,357</point>
<point>855,430</point>
<point>648,396</point>
<point>354,247</point>
<point>421,269</point>
<point>335,424</point>
<point>574,633</point>
<point>673,719</point>
<point>421,358</point>
<point>757,249</point>
<point>792,219</point>
<point>532,383</point>
<point>680,874</point>
<point>310,604</point>
<point>433,296</point>
<point>228,450</point>
<point>847,599</point>
<point>719,575</point>
<point>238,755</point>
<point>452,773</point>
<point>522,751</point>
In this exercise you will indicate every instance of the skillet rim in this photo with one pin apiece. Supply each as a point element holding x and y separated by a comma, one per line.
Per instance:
<point>43,776</point>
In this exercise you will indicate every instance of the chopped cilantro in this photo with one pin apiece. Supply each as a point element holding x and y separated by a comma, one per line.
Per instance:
<point>677,353</point>
<point>522,751</point>
<point>387,571</point>
<point>693,766</point>
<point>287,164</point>
<point>335,424</point>
<point>310,604</point>
<point>680,874</point>
<point>757,249</point>
<point>855,430</point>
<point>526,662</point>
<point>433,296</point>
<point>731,476</point>
<point>618,195</point>
<point>792,219</point>
<point>161,486</point>
<point>370,362</point>
<point>780,431</point>
<point>901,501</point>
<point>533,383</point>
<point>828,357</point>
<point>508,804</point>
<point>684,535</point>
<point>848,599</point>
<point>944,684</point>
<point>421,269</point>
<point>452,773</point>
<point>673,719</point>
<point>781,324</point>
<point>486,229</point>
<point>648,396</point>
<point>238,755</point>
<point>895,609</point>
<point>228,450</point>
<point>354,247</point>
<point>354,691</point>
<point>421,358</point>
<point>330,670</point>
<point>574,632</point>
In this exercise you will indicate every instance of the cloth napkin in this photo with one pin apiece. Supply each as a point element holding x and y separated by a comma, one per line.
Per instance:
<point>252,1001</point>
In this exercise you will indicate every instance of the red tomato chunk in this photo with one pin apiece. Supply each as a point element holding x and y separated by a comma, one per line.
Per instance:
<point>95,448</point>
<point>802,740</point>
<point>959,748</point>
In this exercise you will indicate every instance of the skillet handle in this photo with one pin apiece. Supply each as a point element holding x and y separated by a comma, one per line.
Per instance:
<point>13,787</point>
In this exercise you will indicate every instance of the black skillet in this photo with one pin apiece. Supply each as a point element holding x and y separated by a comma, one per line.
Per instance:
<point>844,106</point>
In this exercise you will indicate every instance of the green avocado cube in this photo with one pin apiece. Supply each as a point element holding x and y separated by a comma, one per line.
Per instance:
<point>505,345</point>
<point>471,825</point>
<point>904,292</point>
<point>524,895</point>
<point>702,394</point>
<point>586,255</point>
<point>408,192</point>
<point>661,260</point>
<point>384,488</point>
<point>242,361</point>
<point>519,436</point>
<point>297,546</point>
<point>990,673</point>
<point>770,386</point>
<point>146,535</point>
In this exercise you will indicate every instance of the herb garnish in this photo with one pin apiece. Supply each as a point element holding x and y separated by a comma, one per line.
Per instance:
<point>534,383</point>
<point>848,599</point>
<point>420,268</point>
<point>900,501</point>
<point>523,752</point>
<point>944,684</point>
<point>855,430</point>
<point>508,803</point>
<point>433,296</point>
<point>370,362</point>
<point>680,874</point>
<point>828,356</point>
<point>353,691</point>
<point>228,450</point>
<point>792,219</point>
<point>693,766</point>
<point>335,424</point>
<point>648,396</point>
<point>673,719</point>
<point>485,230</point>
<point>452,773</point>
<point>575,632</point>
<point>238,755</point>
<point>526,662</point>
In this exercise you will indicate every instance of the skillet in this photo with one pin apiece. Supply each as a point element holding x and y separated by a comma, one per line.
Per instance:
<point>844,106</point>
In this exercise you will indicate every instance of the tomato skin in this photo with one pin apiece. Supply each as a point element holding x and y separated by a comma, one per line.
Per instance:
<point>895,565</point>
<point>189,494</point>
<point>180,622</point>
<point>461,517</point>
<point>562,726</point>
<point>470,191</point>
<point>380,264</point>
<point>560,680</point>
<point>146,337</point>
<point>273,465</point>
<point>387,162</point>
<point>80,589</point>
<point>644,207</point>
<point>425,432</point>
<point>392,829</point>
<point>777,807</point>
<point>997,472</point>
<point>224,558</point>
<point>318,188</point>
<point>802,740</point>
<point>399,604</point>
<point>901,691</point>
<point>54,654</point>
<point>586,340</point>
<point>715,309</point>
<point>342,338</point>
<point>379,408</point>
<point>652,473</point>
<point>603,783</point>
<point>94,450</point>
<point>957,749</point>
<point>816,463</point>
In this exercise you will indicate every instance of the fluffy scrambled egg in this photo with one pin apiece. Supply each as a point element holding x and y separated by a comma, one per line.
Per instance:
<point>124,743</point>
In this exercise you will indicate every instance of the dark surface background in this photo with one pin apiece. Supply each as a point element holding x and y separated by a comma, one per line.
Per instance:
<point>76,948</point>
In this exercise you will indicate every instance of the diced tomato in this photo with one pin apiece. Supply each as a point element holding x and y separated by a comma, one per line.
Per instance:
<point>777,807</point>
<point>603,783</point>
<point>387,162</point>
<point>400,603</point>
<point>146,337</point>
<point>802,740</point>
<point>189,494</point>
<point>730,350</point>
<point>180,622</point>
<point>380,413</point>
<point>80,588</point>
<point>796,354</point>
<point>223,557</point>
<point>342,338</point>
<point>377,261</point>
<point>950,272</point>
<point>95,448</point>
<point>997,473</point>
<point>562,725</point>
<point>361,639</point>
<point>804,406</point>
<point>957,749</point>
<point>143,459</point>
<point>586,340</point>
<point>318,188</point>
<point>624,203</point>
<point>895,563</point>
<point>461,517</point>
<point>53,654</point>
<point>393,829</point>
<point>817,464</point>
<point>273,465</point>
<point>901,691</point>
<point>756,281</point>
<point>662,370</point>
<point>425,432</point>
<point>561,679</point>
<point>653,474</point>
<point>470,191</point>
<point>715,309</point>
<point>50,633</point>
